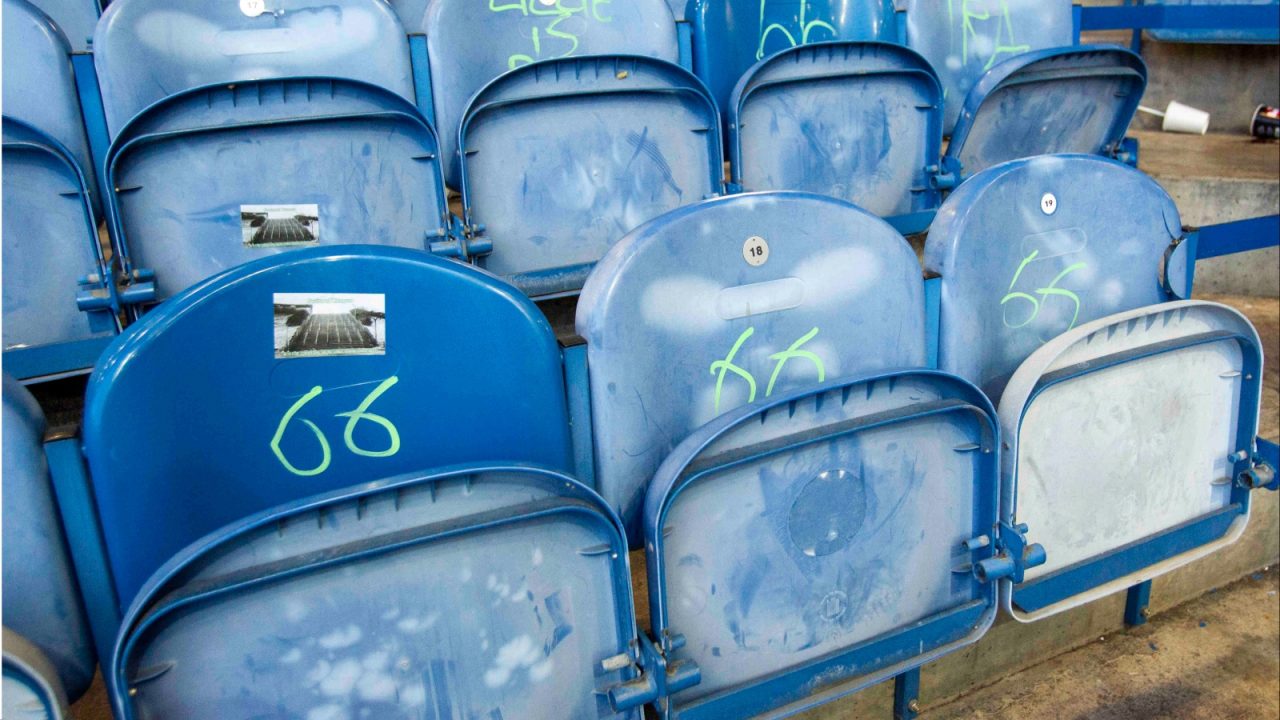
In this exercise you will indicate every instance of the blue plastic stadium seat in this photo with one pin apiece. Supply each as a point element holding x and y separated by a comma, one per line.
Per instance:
<point>236,136</point>
<point>858,121</point>
<point>1065,100</point>
<point>563,157</point>
<point>963,40</point>
<point>76,19</point>
<point>729,36</point>
<point>1254,35</point>
<point>863,121</point>
<point>53,264</point>
<point>41,597</point>
<point>730,301</point>
<point>486,592</point>
<point>790,558</point>
<point>362,381</point>
<point>471,43</point>
<point>1129,417</point>
<point>31,688</point>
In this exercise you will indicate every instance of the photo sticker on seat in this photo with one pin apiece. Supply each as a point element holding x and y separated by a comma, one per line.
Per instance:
<point>327,324</point>
<point>279,225</point>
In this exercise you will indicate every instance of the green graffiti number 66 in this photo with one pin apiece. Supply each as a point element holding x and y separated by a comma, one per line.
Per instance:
<point>354,416</point>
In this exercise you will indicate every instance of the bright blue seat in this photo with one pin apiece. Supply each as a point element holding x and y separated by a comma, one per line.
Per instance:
<point>963,40</point>
<point>729,36</point>
<point>858,121</point>
<point>31,688</point>
<point>58,297</point>
<point>471,43</point>
<point>683,320</point>
<point>1259,35</point>
<point>76,19</point>
<point>240,136</point>
<point>363,382</point>
<point>561,158</point>
<point>42,601</point>
<point>1125,413</point>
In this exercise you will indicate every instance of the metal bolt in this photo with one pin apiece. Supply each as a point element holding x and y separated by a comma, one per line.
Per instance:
<point>1145,613</point>
<point>914,706</point>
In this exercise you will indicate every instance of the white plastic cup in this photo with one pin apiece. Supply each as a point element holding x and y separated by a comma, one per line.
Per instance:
<point>1181,118</point>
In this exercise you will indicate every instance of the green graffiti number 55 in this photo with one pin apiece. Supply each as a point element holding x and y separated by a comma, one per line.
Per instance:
<point>348,434</point>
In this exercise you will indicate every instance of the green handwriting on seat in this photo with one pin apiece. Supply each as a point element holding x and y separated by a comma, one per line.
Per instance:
<point>348,435</point>
<point>806,27</point>
<point>560,39</point>
<point>1002,42</point>
<point>720,367</point>
<point>1050,290</point>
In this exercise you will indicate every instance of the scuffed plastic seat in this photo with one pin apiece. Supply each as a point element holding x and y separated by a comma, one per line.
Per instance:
<point>76,18</point>
<point>53,654</point>
<point>964,40</point>
<point>731,301</point>
<point>1129,417</point>
<point>247,135</point>
<point>563,157</point>
<point>59,297</point>
<point>729,36</point>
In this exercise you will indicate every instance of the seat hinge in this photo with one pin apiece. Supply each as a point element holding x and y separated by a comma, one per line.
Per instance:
<point>1259,474</point>
<point>138,287</point>
<point>655,677</point>
<point>93,293</point>
<point>945,175</point>
<point>462,241</point>
<point>1013,557</point>
<point>1126,151</point>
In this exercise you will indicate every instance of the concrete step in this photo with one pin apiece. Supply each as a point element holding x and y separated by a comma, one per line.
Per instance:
<point>1219,178</point>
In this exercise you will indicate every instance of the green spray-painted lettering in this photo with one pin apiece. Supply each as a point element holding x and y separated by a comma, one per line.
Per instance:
<point>720,367</point>
<point>324,444</point>
<point>1003,42</point>
<point>559,41</point>
<point>1049,290</point>
<point>354,416</point>
<point>806,27</point>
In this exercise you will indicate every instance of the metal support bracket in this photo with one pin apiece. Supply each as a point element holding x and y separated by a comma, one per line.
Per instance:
<point>906,695</point>
<point>1135,604</point>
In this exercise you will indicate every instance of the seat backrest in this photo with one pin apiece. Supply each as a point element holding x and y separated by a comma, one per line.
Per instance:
<point>217,176</point>
<point>477,592</point>
<point>147,50</point>
<point>729,36</point>
<point>966,38</point>
<point>1032,248</point>
<point>76,18</point>
<point>858,121</point>
<point>39,87</point>
<point>563,157</point>
<point>381,361</point>
<point>729,301</point>
<point>470,43</point>
<point>1048,102</point>
<point>41,596</point>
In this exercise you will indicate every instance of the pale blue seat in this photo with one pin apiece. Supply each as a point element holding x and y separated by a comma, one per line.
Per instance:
<point>236,136</point>
<point>1128,417</point>
<point>59,297</point>
<point>42,603</point>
